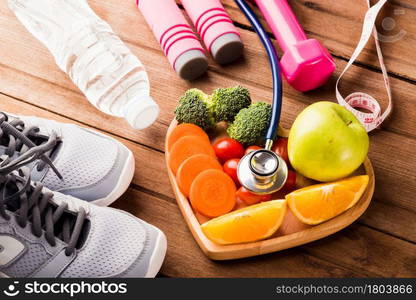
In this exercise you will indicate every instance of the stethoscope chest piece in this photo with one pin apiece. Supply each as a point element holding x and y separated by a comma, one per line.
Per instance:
<point>262,172</point>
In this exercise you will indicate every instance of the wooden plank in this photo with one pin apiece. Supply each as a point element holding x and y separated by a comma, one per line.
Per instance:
<point>143,206</point>
<point>366,249</point>
<point>338,25</point>
<point>391,156</point>
<point>391,219</point>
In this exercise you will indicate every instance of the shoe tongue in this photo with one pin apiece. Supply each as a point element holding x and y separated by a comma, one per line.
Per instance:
<point>36,176</point>
<point>5,138</point>
<point>2,148</point>
<point>3,151</point>
<point>12,203</point>
<point>12,185</point>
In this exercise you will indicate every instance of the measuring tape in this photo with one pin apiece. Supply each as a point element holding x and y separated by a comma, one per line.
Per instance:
<point>352,102</point>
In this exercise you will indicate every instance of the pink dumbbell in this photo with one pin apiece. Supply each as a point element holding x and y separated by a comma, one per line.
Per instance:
<point>306,64</point>
<point>177,39</point>
<point>216,29</point>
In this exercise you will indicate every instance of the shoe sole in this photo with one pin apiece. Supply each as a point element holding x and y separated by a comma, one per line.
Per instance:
<point>122,184</point>
<point>158,256</point>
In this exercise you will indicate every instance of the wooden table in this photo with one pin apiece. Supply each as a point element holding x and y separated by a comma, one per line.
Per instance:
<point>381,243</point>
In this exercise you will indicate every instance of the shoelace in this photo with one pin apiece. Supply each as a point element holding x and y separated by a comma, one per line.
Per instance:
<point>34,204</point>
<point>19,140</point>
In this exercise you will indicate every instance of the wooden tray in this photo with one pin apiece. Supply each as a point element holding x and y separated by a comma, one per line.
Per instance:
<point>292,232</point>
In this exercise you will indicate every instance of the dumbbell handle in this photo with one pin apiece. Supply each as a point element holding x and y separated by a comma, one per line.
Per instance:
<point>305,63</point>
<point>282,21</point>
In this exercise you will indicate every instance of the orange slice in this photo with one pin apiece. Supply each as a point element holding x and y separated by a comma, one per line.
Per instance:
<point>248,224</point>
<point>318,203</point>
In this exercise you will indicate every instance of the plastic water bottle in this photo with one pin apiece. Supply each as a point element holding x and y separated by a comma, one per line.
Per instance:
<point>94,57</point>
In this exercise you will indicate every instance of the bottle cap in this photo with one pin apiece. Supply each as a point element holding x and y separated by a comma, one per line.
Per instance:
<point>227,48</point>
<point>142,113</point>
<point>191,64</point>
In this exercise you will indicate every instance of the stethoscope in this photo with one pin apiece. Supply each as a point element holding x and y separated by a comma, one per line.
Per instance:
<point>263,171</point>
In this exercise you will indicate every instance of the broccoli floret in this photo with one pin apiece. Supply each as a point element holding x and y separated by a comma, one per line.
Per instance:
<point>227,102</point>
<point>194,108</point>
<point>250,124</point>
<point>205,111</point>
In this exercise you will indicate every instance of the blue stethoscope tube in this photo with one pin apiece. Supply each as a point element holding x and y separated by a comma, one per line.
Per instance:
<point>276,72</point>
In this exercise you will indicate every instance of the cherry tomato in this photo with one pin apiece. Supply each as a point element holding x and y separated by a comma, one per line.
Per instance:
<point>291,181</point>
<point>227,148</point>
<point>280,148</point>
<point>230,167</point>
<point>252,148</point>
<point>250,198</point>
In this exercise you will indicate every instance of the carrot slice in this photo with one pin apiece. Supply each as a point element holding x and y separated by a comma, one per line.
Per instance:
<point>186,147</point>
<point>191,168</point>
<point>185,129</point>
<point>213,193</point>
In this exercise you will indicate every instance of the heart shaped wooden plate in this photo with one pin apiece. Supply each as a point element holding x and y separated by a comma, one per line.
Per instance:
<point>291,233</point>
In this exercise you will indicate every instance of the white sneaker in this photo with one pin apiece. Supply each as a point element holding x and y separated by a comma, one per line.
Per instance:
<point>94,167</point>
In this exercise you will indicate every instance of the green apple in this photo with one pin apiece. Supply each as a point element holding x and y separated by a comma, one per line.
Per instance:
<point>327,142</point>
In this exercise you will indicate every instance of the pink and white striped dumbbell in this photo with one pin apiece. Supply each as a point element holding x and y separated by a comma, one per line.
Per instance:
<point>176,37</point>
<point>178,40</point>
<point>216,29</point>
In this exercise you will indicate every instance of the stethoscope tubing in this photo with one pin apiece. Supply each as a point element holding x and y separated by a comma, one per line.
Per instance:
<point>275,68</point>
